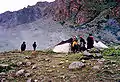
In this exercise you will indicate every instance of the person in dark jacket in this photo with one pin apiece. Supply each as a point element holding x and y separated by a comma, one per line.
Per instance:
<point>23,46</point>
<point>90,41</point>
<point>34,46</point>
<point>82,44</point>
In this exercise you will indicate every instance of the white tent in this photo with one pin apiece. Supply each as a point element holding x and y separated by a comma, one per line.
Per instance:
<point>99,45</point>
<point>66,47</point>
<point>63,48</point>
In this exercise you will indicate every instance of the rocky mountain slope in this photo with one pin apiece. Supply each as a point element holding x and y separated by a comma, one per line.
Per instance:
<point>82,11</point>
<point>74,11</point>
<point>66,18</point>
<point>100,17</point>
<point>47,33</point>
<point>25,15</point>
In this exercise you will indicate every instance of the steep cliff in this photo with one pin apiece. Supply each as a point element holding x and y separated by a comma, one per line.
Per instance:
<point>82,11</point>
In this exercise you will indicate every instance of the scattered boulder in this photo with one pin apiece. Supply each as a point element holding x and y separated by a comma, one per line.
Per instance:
<point>3,80</point>
<point>19,63</point>
<point>27,57</point>
<point>28,63</point>
<point>47,65</point>
<point>106,66</point>
<point>20,72</point>
<point>94,50</point>
<point>3,74</point>
<point>29,80</point>
<point>63,67</point>
<point>98,55</point>
<point>53,66</point>
<point>12,74</point>
<point>50,71</point>
<point>47,59</point>
<point>4,65</point>
<point>87,55</point>
<point>96,67</point>
<point>66,61</point>
<point>58,71</point>
<point>118,69</point>
<point>35,80</point>
<point>34,66</point>
<point>27,74</point>
<point>83,61</point>
<point>62,77</point>
<point>100,61</point>
<point>61,63</point>
<point>109,71</point>
<point>113,62</point>
<point>76,65</point>
<point>113,54</point>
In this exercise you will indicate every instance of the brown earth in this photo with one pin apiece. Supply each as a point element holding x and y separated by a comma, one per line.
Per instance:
<point>54,67</point>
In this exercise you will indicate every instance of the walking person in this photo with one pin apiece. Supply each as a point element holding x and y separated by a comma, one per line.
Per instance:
<point>23,46</point>
<point>34,46</point>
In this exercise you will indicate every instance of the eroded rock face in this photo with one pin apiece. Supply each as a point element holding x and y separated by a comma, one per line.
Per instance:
<point>73,9</point>
<point>81,11</point>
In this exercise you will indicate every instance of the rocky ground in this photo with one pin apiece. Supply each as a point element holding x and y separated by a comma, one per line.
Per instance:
<point>46,66</point>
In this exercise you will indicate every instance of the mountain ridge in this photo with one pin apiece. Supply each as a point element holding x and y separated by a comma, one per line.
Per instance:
<point>99,18</point>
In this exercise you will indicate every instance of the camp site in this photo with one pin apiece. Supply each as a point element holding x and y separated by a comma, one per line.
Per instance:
<point>100,63</point>
<point>59,40</point>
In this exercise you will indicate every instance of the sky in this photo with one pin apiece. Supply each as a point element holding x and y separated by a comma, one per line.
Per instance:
<point>14,5</point>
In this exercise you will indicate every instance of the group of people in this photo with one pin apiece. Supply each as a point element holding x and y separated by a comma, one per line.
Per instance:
<point>77,46</point>
<point>23,46</point>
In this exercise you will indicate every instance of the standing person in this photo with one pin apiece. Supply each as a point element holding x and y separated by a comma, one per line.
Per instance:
<point>82,44</point>
<point>23,46</point>
<point>34,46</point>
<point>75,46</point>
<point>90,41</point>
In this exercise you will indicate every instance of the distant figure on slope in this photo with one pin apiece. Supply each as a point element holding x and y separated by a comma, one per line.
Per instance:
<point>90,41</point>
<point>34,46</point>
<point>82,44</point>
<point>23,46</point>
